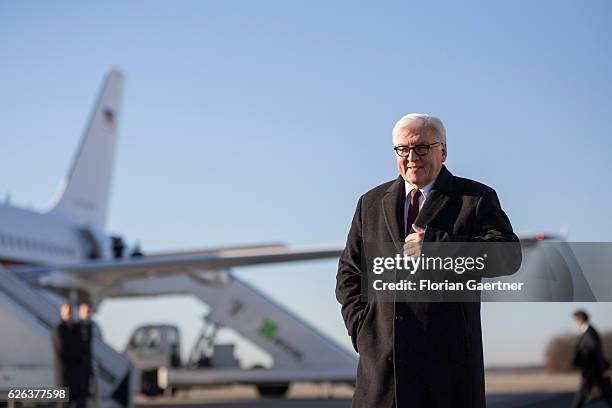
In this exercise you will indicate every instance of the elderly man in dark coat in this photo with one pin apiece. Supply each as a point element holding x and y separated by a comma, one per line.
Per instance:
<point>420,354</point>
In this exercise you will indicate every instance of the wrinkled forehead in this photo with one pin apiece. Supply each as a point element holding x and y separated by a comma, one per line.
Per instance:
<point>414,135</point>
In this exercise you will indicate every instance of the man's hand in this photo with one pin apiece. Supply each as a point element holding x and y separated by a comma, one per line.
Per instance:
<point>414,242</point>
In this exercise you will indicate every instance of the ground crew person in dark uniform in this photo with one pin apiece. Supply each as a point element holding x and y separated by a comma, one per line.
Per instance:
<point>589,357</point>
<point>87,330</point>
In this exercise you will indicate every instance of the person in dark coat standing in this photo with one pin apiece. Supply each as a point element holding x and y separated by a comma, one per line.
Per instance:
<point>66,352</point>
<point>87,330</point>
<point>425,354</point>
<point>589,357</point>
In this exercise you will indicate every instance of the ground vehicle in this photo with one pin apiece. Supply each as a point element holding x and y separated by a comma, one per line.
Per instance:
<point>156,351</point>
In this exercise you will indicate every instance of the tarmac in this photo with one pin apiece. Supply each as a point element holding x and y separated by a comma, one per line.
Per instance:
<point>493,401</point>
<point>504,390</point>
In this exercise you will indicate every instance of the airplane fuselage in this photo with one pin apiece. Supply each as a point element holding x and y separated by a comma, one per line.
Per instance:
<point>33,238</point>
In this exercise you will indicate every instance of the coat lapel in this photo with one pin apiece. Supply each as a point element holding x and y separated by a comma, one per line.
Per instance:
<point>434,204</point>
<point>438,199</point>
<point>393,205</point>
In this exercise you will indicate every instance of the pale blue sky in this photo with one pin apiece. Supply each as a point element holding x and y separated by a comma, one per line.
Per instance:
<point>264,121</point>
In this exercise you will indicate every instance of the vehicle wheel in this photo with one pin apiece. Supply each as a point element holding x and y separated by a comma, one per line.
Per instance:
<point>149,384</point>
<point>273,391</point>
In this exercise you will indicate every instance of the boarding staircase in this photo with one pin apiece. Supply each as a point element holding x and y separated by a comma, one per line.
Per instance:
<point>27,318</point>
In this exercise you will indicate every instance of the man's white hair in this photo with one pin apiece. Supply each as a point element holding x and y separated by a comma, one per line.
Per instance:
<point>421,121</point>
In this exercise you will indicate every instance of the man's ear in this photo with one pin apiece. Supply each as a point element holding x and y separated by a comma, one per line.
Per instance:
<point>443,153</point>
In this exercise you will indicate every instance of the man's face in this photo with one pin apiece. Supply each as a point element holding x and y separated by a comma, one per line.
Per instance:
<point>417,170</point>
<point>84,312</point>
<point>66,312</point>
<point>579,321</point>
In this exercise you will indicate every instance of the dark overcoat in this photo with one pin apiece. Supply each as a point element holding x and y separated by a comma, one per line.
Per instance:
<point>66,355</point>
<point>85,334</point>
<point>588,355</point>
<point>424,355</point>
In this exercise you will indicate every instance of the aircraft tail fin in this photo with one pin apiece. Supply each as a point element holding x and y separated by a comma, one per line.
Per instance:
<point>84,195</point>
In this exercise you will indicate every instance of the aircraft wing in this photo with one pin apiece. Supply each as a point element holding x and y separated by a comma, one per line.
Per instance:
<point>160,264</point>
<point>110,272</point>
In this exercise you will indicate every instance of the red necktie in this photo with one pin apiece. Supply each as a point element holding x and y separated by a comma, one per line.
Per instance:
<point>413,211</point>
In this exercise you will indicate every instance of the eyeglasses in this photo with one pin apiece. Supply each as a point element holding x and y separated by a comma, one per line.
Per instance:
<point>420,150</point>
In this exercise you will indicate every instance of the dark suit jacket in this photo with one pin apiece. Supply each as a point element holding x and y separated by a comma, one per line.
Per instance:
<point>421,354</point>
<point>588,355</point>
